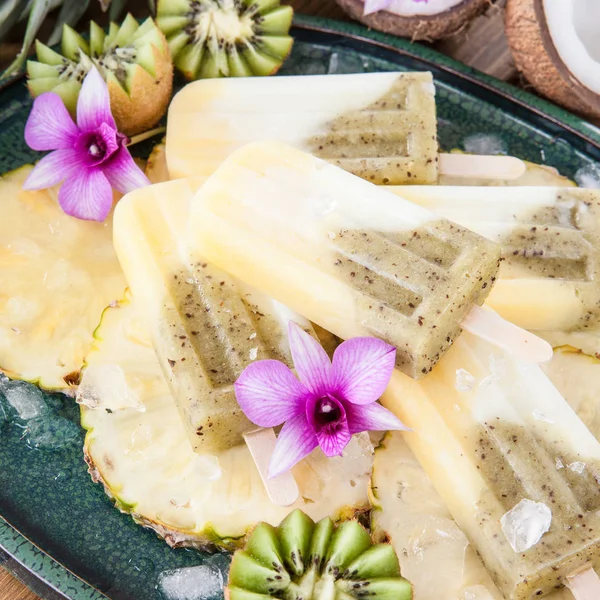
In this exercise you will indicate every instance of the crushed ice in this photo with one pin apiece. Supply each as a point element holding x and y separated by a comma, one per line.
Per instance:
<point>560,464</point>
<point>588,176</point>
<point>205,582</point>
<point>577,467</point>
<point>253,353</point>
<point>464,380</point>
<point>525,524</point>
<point>25,399</point>
<point>484,143</point>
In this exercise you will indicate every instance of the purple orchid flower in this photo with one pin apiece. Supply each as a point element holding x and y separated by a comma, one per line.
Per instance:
<point>373,6</point>
<point>331,402</point>
<point>90,157</point>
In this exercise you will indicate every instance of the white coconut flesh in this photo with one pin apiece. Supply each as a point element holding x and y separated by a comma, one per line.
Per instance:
<point>139,449</point>
<point>57,273</point>
<point>574,26</point>
<point>412,8</point>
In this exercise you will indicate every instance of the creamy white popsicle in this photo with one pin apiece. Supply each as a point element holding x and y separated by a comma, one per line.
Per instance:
<point>516,467</point>
<point>550,238</point>
<point>343,252</point>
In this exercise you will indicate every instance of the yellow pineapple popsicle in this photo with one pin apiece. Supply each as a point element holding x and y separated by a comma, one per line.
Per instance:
<point>344,253</point>
<point>550,239</point>
<point>207,327</point>
<point>380,126</point>
<point>516,467</point>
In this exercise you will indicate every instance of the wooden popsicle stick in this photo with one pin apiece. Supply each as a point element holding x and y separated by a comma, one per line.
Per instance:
<point>584,585</point>
<point>491,327</point>
<point>476,166</point>
<point>282,490</point>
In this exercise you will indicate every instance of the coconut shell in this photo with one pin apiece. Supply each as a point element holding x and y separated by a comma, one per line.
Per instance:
<point>429,27</point>
<point>537,58</point>
<point>148,97</point>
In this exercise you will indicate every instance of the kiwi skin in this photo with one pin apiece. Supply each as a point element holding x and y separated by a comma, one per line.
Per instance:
<point>141,93</point>
<point>301,560</point>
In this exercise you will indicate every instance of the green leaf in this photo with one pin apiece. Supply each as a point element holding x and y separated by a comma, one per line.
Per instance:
<point>70,13</point>
<point>116,9</point>
<point>39,10</point>
<point>10,13</point>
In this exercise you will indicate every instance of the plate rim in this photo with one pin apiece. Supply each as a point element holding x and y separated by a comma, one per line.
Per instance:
<point>18,545</point>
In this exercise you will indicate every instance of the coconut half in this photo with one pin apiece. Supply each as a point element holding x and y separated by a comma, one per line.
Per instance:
<point>418,20</point>
<point>556,45</point>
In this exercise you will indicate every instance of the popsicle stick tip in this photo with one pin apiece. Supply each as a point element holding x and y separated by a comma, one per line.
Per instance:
<point>282,490</point>
<point>523,344</point>
<point>480,166</point>
<point>584,585</point>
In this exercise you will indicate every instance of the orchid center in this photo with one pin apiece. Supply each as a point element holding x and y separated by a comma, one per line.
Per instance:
<point>327,411</point>
<point>96,147</point>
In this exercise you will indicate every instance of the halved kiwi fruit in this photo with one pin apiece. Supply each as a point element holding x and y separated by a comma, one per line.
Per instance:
<point>226,38</point>
<point>301,560</point>
<point>134,60</point>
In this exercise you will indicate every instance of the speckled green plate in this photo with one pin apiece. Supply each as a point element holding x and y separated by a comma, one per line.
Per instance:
<point>58,529</point>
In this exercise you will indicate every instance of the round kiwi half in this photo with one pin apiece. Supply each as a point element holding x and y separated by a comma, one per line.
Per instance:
<point>301,560</point>
<point>134,60</point>
<point>226,38</point>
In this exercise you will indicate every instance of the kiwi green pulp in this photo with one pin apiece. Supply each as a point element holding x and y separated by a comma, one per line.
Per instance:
<point>133,59</point>
<point>226,38</point>
<point>301,560</point>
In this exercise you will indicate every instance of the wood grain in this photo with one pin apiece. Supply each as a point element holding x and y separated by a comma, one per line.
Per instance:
<point>482,46</point>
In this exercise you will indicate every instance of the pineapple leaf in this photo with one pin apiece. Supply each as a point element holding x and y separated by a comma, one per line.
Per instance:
<point>116,9</point>
<point>39,10</point>
<point>10,13</point>
<point>70,13</point>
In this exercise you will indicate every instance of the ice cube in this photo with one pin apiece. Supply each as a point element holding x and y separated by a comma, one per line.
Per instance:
<point>464,380</point>
<point>26,399</point>
<point>588,176</point>
<point>577,467</point>
<point>525,524</point>
<point>51,433</point>
<point>204,582</point>
<point>106,387</point>
<point>484,143</point>
<point>347,62</point>
<point>476,592</point>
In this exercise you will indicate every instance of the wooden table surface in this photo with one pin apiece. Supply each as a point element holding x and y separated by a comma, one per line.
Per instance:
<point>483,47</point>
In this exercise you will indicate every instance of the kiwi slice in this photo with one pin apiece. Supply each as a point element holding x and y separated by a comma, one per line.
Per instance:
<point>133,59</point>
<point>226,38</point>
<point>301,560</point>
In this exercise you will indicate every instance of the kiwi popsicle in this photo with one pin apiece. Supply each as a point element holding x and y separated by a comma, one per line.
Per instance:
<point>206,326</point>
<point>343,252</point>
<point>550,239</point>
<point>516,467</point>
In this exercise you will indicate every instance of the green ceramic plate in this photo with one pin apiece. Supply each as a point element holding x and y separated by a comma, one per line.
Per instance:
<point>58,529</point>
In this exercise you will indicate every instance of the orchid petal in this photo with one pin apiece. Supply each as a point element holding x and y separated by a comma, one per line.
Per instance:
<point>122,172</point>
<point>373,6</point>
<point>310,360</point>
<point>333,443</point>
<point>49,126</point>
<point>86,195</point>
<point>295,441</point>
<point>362,368</point>
<point>372,417</point>
<point>269,393</point>
<point>93,104</point>
<point>52,169</point>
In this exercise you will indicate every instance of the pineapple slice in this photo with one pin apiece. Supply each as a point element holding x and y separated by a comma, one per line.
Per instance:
<point>137,447</point>
<point>156,167</point>
<point>57,275</point>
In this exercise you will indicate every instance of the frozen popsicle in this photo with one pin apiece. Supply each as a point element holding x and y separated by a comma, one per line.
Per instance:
<point>516,467</point>
<point>550,239</point>
<point>379,126</point>
<point>206,326</point>
<point>344,253</point>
